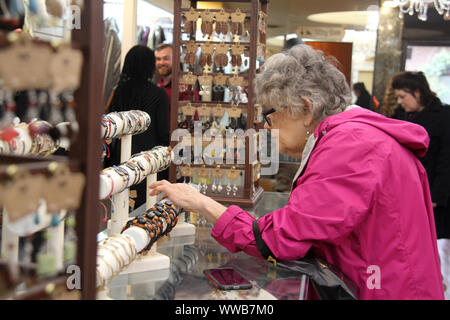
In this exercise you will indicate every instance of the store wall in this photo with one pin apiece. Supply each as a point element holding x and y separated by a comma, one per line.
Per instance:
<point>366,77</point>
<point>341,51</point>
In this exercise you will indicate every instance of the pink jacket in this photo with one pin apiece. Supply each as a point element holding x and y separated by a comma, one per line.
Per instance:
<point>362,202</point>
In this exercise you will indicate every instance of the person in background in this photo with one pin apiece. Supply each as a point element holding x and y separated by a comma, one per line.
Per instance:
<point>164,61</point>
<point>360,198</point>
<point>423,107</point>
<point>364,99</point>
<point>136,91</point>
<point>293,42</point>
<point>390,108</point>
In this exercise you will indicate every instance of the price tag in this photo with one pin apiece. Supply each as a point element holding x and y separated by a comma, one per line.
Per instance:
<point>222,16</point>
<point>234,112</point>
<point>207,16</point>
<point>233,174</point>
<point>27,66</point>
<point>207,48</point>
<point>218,173</point>
<point>236,81</point>
<point>237,49</point>
<point>222,48</point>
<point>203,172</point>
<point>24,186</point>
<point>189,79</point>
<point>65,69</point>
<point>192,15</point>
<point>204,111</point>
<point>64,189</point>
<point>220,79</point>
<point>218,111</point>
<point>205,80</point>
<point>191,47</point>
<point>238,16</point>
<point>187,171</point>
<point>188,110</point>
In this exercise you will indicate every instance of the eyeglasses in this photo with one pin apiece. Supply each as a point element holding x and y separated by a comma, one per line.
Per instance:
<point>266,116</point>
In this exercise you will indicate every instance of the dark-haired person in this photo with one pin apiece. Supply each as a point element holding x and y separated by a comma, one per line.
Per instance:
<point>423,107</point>
<point>136,91</point>
<point>364,99</point>
<point>293,42</point>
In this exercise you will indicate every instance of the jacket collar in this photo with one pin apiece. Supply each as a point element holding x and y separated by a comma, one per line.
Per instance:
<point>319,132</point>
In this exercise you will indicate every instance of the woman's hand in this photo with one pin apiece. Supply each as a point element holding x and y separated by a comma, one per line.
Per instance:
<point>189,199</point>
<point>182,195</point>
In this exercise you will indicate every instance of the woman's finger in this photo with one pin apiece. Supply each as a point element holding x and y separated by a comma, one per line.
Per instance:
<point>159,189</point>
<point>158,183</point>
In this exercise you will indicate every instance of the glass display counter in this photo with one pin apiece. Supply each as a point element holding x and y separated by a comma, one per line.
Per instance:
<point>186,281</point>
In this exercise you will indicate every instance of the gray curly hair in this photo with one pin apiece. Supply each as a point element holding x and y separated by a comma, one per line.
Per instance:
<point>302,71</point>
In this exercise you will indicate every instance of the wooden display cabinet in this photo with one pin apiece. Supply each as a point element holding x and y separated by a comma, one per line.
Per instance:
<point>250,191</point>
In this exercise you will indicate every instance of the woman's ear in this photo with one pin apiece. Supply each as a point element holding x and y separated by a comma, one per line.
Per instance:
<point>308,116</point>
<point>417,94</point>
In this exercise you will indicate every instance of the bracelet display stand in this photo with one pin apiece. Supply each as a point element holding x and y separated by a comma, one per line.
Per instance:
<point>146,269</point>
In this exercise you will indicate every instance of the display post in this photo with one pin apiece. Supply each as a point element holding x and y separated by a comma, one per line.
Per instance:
<point>129,26</point>
<point>121,201</point>
<point>10,242</point>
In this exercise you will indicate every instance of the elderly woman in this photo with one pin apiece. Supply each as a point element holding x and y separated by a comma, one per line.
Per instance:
<point>360,199</point>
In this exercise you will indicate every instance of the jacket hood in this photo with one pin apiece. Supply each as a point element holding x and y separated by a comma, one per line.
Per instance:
<point>412,136</point>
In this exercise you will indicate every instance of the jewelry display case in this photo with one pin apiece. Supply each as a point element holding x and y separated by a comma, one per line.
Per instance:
<point>67,183</point>
<point>217,52</point>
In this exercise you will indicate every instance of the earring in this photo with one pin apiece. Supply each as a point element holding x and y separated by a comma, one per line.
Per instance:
<point>235,190</point>
<point>307,134</point>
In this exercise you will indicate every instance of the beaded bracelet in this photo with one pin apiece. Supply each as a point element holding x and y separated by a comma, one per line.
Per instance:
<point>157,222</point>
<point>152,228</point>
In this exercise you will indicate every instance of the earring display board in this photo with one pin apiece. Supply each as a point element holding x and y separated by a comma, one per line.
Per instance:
<point>217,53</point>
<point>57,196</point>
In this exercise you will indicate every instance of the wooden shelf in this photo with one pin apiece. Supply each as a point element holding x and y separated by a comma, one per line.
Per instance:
<point>251,192</point>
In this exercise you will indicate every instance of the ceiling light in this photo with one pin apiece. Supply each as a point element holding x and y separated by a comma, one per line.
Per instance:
<point>389,4</point>
<point>367,19</point>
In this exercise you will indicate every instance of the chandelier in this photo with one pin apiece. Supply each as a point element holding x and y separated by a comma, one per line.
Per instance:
<point>421,7</point>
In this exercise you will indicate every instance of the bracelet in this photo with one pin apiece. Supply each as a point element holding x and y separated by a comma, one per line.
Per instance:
<point>135,170</point>
<point>119,261</point>
<point>112,183</point>
<point>120,247</point>
<point>123,172</point>
<point>129,241</point>
<point>102,279</point>
<point>107,265</point>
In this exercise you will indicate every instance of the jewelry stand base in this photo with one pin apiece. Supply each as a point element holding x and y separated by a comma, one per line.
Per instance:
<point>139,277</point>
<point>151,262</point>
<point>243,202</point>
<point>182,235</point>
